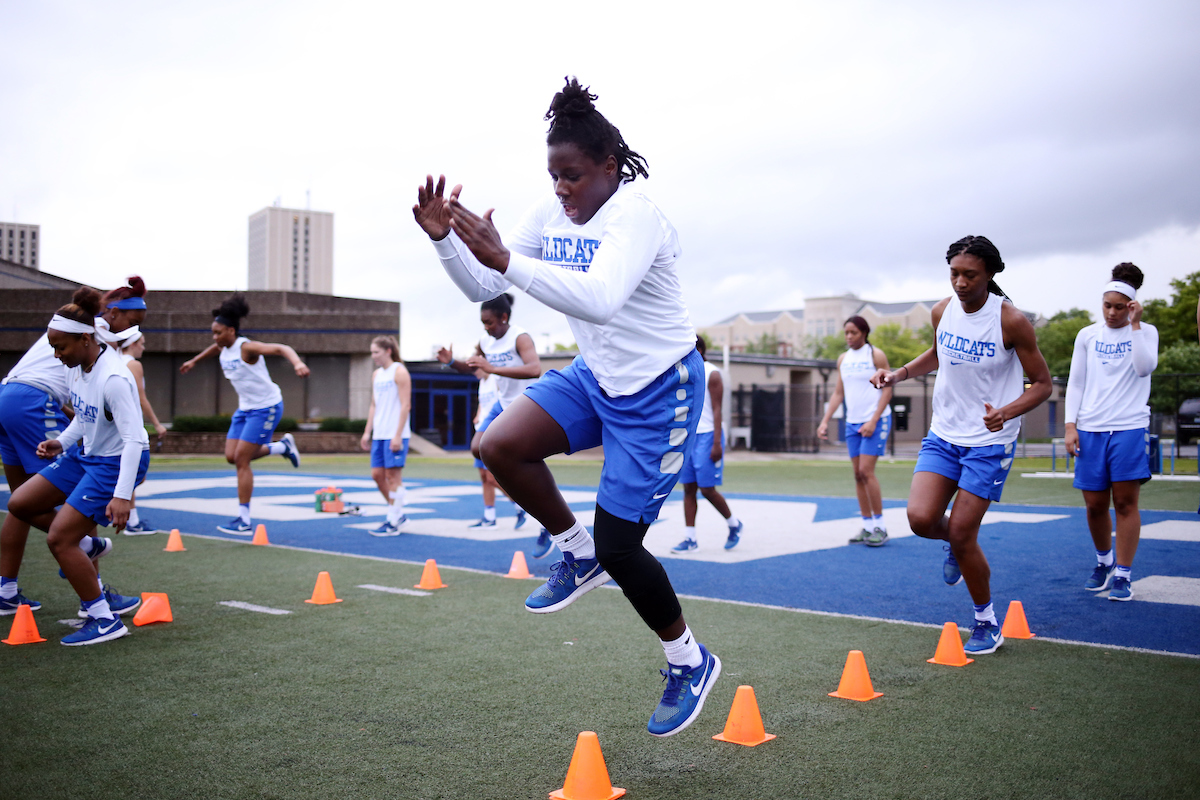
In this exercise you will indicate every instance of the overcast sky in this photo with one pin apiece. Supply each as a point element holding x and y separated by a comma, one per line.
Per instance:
<point>801,149</point>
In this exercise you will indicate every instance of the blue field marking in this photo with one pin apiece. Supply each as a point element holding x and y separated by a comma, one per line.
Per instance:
<point>794,552</point>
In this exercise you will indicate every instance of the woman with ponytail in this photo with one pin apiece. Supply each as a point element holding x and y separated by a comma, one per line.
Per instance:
<point>983,346</point>
<point>1108,423</point>
<point>603,254</point>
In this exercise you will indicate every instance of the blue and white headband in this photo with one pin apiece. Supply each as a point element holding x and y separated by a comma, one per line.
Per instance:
<point>130,304</point>
<point>1121,287</point>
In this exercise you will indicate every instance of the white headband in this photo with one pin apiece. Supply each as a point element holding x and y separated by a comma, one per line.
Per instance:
<point>1122,287</point>
<point>128,336</point>
<point>65,325</point>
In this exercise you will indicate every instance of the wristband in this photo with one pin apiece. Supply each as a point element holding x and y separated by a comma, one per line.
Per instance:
<point>450,363</point>
<point>905,368</point>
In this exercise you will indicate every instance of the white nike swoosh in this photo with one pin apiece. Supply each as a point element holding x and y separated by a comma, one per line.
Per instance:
<point>997,483</point>
<point>695,690</point>
<point>86,499</point>
<point>656,497</point>
<point>591,572</point>
<point>104,630</point>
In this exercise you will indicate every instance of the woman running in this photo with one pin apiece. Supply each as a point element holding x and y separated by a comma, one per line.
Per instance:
<point>1108,425</point>
<point>604,255</point>
<point>506,353</point>
<point>260,402</point>
<point>868,422</point>
<point>132,344</point>
<point>982,346</point>
<point>93,485</point>
<point>387,433</point>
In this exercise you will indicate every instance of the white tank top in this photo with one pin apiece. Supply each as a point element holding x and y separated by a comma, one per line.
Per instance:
<point>862,398</point>
<point>387,404</point>
<point>705,425</point>
<point>252,382</point>
<point>487,393</point>
<point>502,352</point>
<point>974,368</point>
<point>38,367</point>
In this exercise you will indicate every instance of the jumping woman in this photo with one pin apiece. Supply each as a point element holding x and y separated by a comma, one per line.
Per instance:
<point>387,433</point>
<point>93,484</point>
<point>1108,425</point>
<point>604,255</point>
<point>260,402</point>
<point>983,345</point>
<point>868,422</point>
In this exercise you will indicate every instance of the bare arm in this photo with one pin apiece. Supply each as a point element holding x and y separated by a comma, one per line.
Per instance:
<point>207,352</point>
<point>835,400</point>
<point>446,356</point>
<point>365,442</point>
<point>135,368</point>
<point>716,394</point>
<point>251,350</point>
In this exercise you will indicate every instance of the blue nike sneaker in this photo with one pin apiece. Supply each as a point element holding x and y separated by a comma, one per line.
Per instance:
<point>9,606</point>
<point>143,528</point>
<point>1101,576</point>
<point>1122,589</point>
<point>686,546</point>
<point>682,700</point>
<point>520,519</point>
<point>986,638</point>
<point>290,451</point>
<point>542,545</point>
<point>119,604</point>
<point>951,574</point>
<point>96,631</point>
<point>237,527</point>
<point>571,579</point>
<point>483,523</point>
<point>386,529</point>
<point>734,536</point>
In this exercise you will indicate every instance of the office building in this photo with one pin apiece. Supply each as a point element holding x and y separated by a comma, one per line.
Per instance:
<point>291,250</point>
<point>19,243</point>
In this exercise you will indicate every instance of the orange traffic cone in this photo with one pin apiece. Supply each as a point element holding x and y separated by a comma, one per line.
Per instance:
<point>24,629</point>
<point>155,608</point>
<point>587,777</point>
<point>430,579</point>
<point>260,535</point>
<point>744,725</point>
<point>174,542</point>
<point>323,591</point>
<point>950,650</point>
<point>856,681</point>
<point>519,569</point>
<point>1015,625</point>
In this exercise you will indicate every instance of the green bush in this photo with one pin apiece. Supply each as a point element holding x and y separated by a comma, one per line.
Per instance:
<point>343,425</point>
<point>215,424</point>
<point>287,425</point>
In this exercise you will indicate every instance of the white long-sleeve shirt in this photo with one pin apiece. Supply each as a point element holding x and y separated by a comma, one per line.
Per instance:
<point>1109,385</point>
<point>40,367</point>
<point>614,277</point>
<point>108,416</point>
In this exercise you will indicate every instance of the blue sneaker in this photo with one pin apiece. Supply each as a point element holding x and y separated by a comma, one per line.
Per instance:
<point>483,523</point>
<point>101,546</point>
<point>143,528</point>
<point>520,519</point>
<point>119,604</point>
<point>734,536</point>
<point>237,527</point>
<point>951,574</point>
<point>682,700</point>
<point>9,607</point>
<point>570,580</point>
<point>96,631</point>
<point>290,451</point>
<point>386,529</point>
<point>984,639</point>
<point>1122,589</point>
<point>686,546</point>
<point>543,544</point>
<point>1101,576</point>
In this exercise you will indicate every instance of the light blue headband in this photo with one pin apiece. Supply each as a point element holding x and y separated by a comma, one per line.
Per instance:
<point>130,304</point>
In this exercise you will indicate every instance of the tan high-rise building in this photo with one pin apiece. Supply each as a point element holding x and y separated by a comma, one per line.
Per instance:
<point>19,244</point>
<point>291,250</point>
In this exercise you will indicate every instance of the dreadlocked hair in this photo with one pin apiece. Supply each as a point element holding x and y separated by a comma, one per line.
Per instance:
<point>982,248</point>
<point>1128,273</point>
<point>134,287</point>
<point>574,120</point>
<point>231,311</point>
<point>84,306</point>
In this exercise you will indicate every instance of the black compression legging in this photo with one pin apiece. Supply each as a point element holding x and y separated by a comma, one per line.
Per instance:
<point>643,580</point>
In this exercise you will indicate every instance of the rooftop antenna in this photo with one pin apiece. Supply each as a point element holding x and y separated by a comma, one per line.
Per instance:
<point>308,199</point>
<point>278,201</point>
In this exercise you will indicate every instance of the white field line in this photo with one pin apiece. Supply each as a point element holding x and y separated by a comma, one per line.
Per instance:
<point>252,607</point>
<point>394,590</point>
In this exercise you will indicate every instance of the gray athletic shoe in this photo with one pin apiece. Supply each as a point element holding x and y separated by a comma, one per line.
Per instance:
<point>877,538</point>
<point>862,536</point>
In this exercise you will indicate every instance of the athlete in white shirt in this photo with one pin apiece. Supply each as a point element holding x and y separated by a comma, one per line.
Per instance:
<point>604,255</point>
<point>260,402</point>
<point>868,422</point>
<point>983,343</point>
<point>132,344</point>
<point>1108,425</point>
<point>387,432</point>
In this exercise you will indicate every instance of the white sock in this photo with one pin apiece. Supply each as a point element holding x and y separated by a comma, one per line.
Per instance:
<point>100,582</point>
<point>878,522</point>
<point>689,532</point>
<point>489,513</point>
<point>576,541</point>
<point>684,651</point>
<point>985,613</point>
<point>276,448</point>
<point>244,512</point>
<point>867,522</point>
<point>98,608</point>
<point>1123,572</point>
<point>396,507</point>
<point>133,516</point>
<point>732,521</point>
<point>8,588</point>
<point>85,544</point>
<point>1106,558</point>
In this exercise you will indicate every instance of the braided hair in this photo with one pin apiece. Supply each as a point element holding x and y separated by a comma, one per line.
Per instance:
<point>575,120</point>
<point>501,306</point>
<point>231,312</point>
<point>982,248</point>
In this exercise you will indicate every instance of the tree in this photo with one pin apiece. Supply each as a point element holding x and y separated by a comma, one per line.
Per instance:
<point>1166,393</point>
<point>901,344</point>
<point>1056,339</point>
<point>1176,322</point>
<point>767,344</point>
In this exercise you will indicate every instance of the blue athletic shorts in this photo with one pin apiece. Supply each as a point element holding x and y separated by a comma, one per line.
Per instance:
<point>256,425</point>
<point>1106,457</point>
<point>28,417</point>
<point>981,471</point>
<point>493,412</point>
<point>646,435</point>
<point>698,467</point>
<point>89,482</point>
<point>873,445</point>
<point>382,454</point>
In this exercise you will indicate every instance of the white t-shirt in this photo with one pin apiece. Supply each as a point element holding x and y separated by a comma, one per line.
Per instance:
<point>502,352</point>
<point>1109,386</point>
<point>39,367</point>
<point>252,382</point>
<point>387,404</point>
<point>862,398</point>
<point>615,278</point>
<point>974,368</point>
